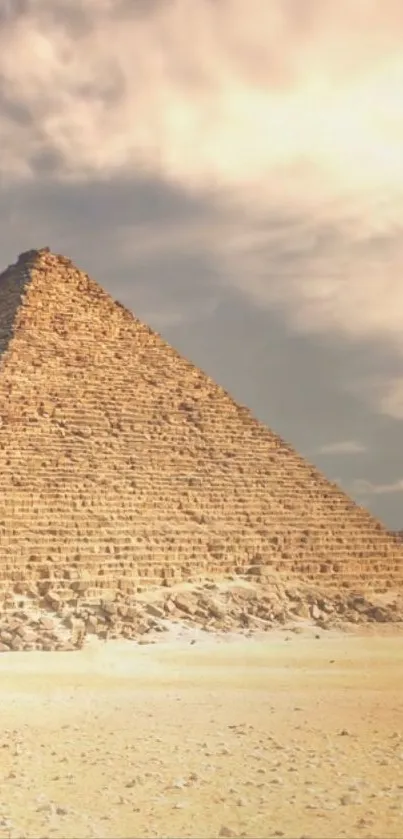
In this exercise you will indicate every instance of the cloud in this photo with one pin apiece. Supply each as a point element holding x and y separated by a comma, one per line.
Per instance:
<point>261,96</point>
<point>287,114</point>
<point>389,396</point>
<point>383,390</point>
<point>366,488</point>
<point>342,447</point>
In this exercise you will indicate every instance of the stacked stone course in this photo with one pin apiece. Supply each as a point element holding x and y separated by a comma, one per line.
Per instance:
<point>121,460</point>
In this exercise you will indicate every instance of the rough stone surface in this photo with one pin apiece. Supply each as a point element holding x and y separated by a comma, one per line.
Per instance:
<point>122,464</point>
<point>34,623</point>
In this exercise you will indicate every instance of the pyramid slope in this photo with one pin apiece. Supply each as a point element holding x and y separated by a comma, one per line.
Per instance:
<point>120,457</point>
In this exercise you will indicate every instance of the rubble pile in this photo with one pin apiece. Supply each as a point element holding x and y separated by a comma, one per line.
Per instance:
<point>53,622</point>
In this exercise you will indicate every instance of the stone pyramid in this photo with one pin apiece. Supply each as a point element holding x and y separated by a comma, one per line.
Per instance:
<point>122,461</point>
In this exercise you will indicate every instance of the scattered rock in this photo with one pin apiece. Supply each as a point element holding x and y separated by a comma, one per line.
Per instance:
<point>248,604</point>
<point>154,610</point>
<point>316,613</point>
<point>186,602</point>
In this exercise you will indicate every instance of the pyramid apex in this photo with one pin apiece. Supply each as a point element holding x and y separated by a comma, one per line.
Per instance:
<point>34,252</point>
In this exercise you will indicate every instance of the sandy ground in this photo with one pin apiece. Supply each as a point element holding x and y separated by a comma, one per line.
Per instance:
<point>291,735</point>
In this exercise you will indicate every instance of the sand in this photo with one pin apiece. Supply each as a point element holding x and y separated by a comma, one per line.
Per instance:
<point>233,737</point>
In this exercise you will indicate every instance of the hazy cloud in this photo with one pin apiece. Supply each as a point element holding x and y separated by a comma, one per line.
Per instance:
<point>289,112</point>
<point>342,447</point>
<point>390,397</point>
<point>365,488</point>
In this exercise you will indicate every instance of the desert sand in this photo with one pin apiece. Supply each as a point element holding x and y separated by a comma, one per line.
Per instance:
<point>293,735</point>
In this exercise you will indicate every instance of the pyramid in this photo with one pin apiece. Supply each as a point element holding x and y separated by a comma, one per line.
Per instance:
<point>122,460</point>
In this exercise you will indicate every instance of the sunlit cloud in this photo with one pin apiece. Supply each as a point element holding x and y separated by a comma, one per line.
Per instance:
<point>289,115</point>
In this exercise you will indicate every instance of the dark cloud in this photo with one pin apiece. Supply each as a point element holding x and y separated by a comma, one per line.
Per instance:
<point>109,202</point>
<point>17,112</point>
<point>74,17</point>
<point>11,10</point>
<point>46,164</point>
<point>136,8</point>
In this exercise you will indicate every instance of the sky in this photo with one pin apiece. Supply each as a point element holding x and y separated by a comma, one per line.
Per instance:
<point>233,173</point>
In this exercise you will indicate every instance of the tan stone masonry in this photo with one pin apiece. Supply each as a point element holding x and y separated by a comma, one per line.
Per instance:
<point>120,457</point>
